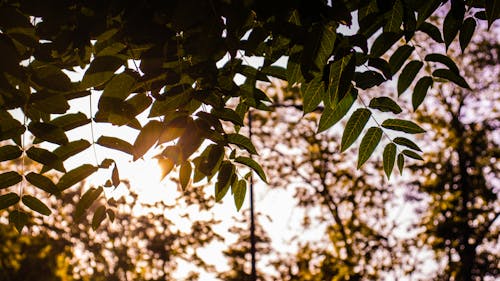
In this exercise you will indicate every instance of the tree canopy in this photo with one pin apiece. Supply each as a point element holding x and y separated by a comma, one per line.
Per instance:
<point>175,62</point>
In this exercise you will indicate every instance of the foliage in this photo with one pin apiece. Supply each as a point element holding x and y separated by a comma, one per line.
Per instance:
<point>163,58</point>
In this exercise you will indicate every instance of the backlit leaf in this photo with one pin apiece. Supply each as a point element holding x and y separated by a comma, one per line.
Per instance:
<point>453,21</point>
<point>8,200</point>
<point>99,216</point>
<point>9,179</point>
<point>239,191</point>
<point>368,79</point>
<point>49,102</point>
<point>70,121</point>
<point>46,158</point>
<point>420,91</point>
<point>394,18</point>
<point>341,73</point>
<point>228,114</point>
<point>48,132</point>
<point>115,176</point>
<point>426,9</point>
<point>252,164</point>
<point>166,166</point>
<point>101,69</point>
<point>116,143</point>
<point>492,11</point>
<point>383,43</point>
<point>466,32</point>
<point>408,75</point>
<point>406,142</point>
<point>435,57</point>
<point>451,76</point>
<point>399,57</point>
<point>42,182</point>
<point>119,87</point>
<point>36,205</point>
<point>75,176</point>
<point>226,172</point>
<point>311,94</point>
<point>87,199</point>
<point>403,126</point>
<point>389,156</point>
<point>385,104</point>
<point>401,163</point>
<point>19,219</point>
<point>432,31</point>
<point>368,144</point>
<point>147,137</point>
<point>242,142</point>
<point>354,127</point>
<point>185,174</point>
<point>331,116</point>
<point>9,152</point>
<point>412,154</point>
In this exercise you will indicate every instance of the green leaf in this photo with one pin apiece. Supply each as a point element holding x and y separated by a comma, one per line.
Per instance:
<point>325,48</point>
<point>408,75</point>
<point>382,65</point>
<point>444,60</point>
<point>99,216</point>
<point>239,191</point>
<point>426,9</point>
<point>228,114</point>
<point>453,21</point>
<point>211,159</point>
<point>18,219</point>
<point>403,126</point>
<point>226,172</point>
<point>70,121</point>
<point>242,142</point>
<point>399,57</point>
<point>331,116</point>
<point>75,176</point>
<point>368,79</point>
<point>389,156</point>
<point>412,154</point>
<point>42,182</point>
<point>432,31</point>
<point>36,205</point>
<point>185,174</point>
<point>147,137</point>
<point>46,158</point>
<point>48,132</point>
<point>385,104</point>
<point>89,197</point>
<point>50,76</point>
<point>394,18</point>
<point>9,179</point>
<point>401,163</point>
<point>101,69</point>
<point>341,73</point>
<point>9,152</point>
<point>406,142</point>
<point>275,71</point>
<point>466,32</point>
<point>354,127</point>
<point>116,143</point>
<point>383,43</point>
<point>451,76</point>
<point>119,87</point>
<point>492,11</point>
<point>368,144</point>
<point>64,152</point>
<point>420,91</point>
<point>8,200</point>
<point>311,94</point>
<point>52,103</point>
<point>252,164</point>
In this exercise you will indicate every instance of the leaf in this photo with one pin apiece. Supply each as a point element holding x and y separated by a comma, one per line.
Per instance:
<point>354,127</point>
<point>394,18</point>
<point>8,200</point>
<point>87,199</point>
<point>119,87</point>
<point>239,191</point>
<point>389,156</point>
<point>331,116</point>
<point>48,132</point>
<point>444,60</point>
<point>311,94</point>
<point>147,137</point>
<point>101,69</point>
<point>381,65</point>
<point>368,79</point>
<point>492,11</point>
<point>341,73</point>
<point>420,91</point>
<point>46,102</point>
<point>466,32</point>
<point>401,163</point>
<point>368,144</point>
<point>64,152</point>
<point>9,179</point>
<point>412,154</point>
<point>383,43</point>
<point>406,142</point>
<point>99,216</point>
<point>252,164</point>
<point>453,21</point>
<point>385,104</point>
<point>399,57</point>
<point>403,126</point>
<point>228,114</point>
<point>166,166</point>
<point>116,143</point>
<point>432,31</point>
<point>18,219</point>
<point>242,142</point>
<point>426,9</point>
<point>70,121</point>
<point>42,182</point>
<point>226,172</point>
<point>111,215</point>
<point>50,76</point>
<point>36,205</point>
<point>451,76</point>
<point>9,152</point>
<point>275,71</point>
<point>46,158</point>
<point>75,176</point>
<point>115,176</point>
<point>408,74</point>
<point>185,174</point>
